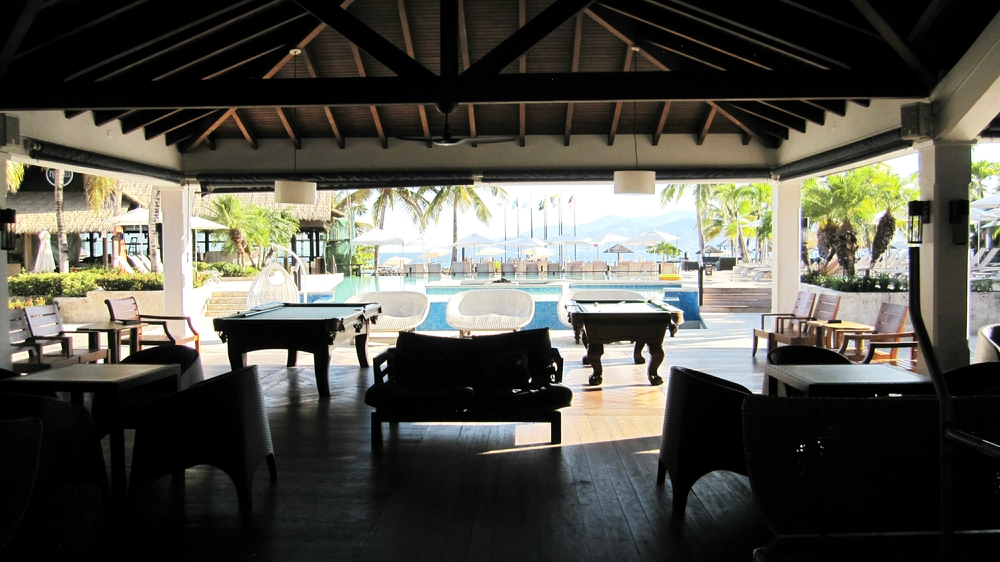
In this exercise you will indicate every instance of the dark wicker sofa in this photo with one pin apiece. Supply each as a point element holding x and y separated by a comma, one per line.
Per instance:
<point>510,377</point>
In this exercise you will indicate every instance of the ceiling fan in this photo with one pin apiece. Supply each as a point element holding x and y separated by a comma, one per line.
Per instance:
<point>447,139</point>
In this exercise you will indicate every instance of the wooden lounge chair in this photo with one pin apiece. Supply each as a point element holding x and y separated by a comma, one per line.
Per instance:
<point>801,311</point>
<point>798,332</point>
<point>38,359</point>
<point>127,310</point>
<point>888,328</point>
<point>44,322</point>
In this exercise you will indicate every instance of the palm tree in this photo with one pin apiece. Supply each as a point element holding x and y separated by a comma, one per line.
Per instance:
<point>385,198</point>
<point>891,195</point>
<point>459,198</point>
<point>229,211</point>
<point>702,194</point>
<point>62,245</point>
<point>982,171</point>
<point>728,213</point>
<point>664,249</point>
<point>15,175</point>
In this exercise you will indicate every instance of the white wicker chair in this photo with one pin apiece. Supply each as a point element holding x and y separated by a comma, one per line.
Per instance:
<point>489,310</point>
<point>402,311</point>
<point>272,284</point>
<point>596,295</point>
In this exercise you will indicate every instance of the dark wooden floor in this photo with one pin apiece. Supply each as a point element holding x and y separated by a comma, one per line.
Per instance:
<point>441,492</point>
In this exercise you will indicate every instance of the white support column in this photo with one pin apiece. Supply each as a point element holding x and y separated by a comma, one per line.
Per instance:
<point>175,205</point>
<point>945,170</point>
<point>786,202</point>
<point>5,349</point>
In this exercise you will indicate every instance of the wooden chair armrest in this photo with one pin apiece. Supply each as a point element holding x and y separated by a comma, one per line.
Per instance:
<point>775,315</point>
<point>875,345</point>
<point>558,360</point>
<point>382,365</point>
<point>65,342</point>
<point>187,319</point>
<point>870,337</point>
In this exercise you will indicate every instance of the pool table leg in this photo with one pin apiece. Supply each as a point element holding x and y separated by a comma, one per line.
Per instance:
<point>361,346</point>
<point>237,358</point>
<point>321,364</point>
<point>594,353</point>
<point>655,360</point>
<point>637,353</point>
<point>293,358</point>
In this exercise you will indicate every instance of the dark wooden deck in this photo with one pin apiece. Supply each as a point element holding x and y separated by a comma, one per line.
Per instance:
<point>444,492</point>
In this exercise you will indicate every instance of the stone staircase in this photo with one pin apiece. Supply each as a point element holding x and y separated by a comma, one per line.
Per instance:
<point>224,303</point>
<point>736,299</point>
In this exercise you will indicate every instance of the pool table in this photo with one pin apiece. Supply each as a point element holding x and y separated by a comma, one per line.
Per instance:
<point>313,328</point>
<point>643,322</point>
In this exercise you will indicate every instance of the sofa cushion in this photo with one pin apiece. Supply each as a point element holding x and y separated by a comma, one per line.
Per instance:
<point>428,362</point>
<point>544,399</point>
<point>536,344</point>
<point>502,371</point>
<point>401,398</point>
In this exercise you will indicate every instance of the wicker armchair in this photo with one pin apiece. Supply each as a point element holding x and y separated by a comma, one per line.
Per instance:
<point>702,431</point>
<point>988,344</point>
<point>21,442</point>
<point>220,422</point>
<point>402,311</point>
<point>489,310</point>
<point>830,471</point>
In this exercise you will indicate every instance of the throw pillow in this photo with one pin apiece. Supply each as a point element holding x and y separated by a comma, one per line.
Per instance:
<point>428,362</point>
<point>503,371</point>
<point>536,344</point>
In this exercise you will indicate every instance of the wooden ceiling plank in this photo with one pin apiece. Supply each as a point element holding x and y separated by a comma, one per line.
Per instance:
<point>510,49</point>
<point>522,110</point>
<point>522,67</point>
<point>139,119</point>
<point>837,107</point>
<point>19,15</point>
<point>208,127</point>
<point>463,46</point>
<point>192,131</point>
<point>629,54</point>
<point>895,41</point>
<point>404,20</point>
<point>375,116</point>
<point>930,14</point>
<point>362,36</point>
<point>179,47</point>
<point>327,111</point>
<point>624,29</point>
<point>831,18</point>
<point>774,115</point>
<point>102,118</point>
<point>751,125</point>
<point>661,123</point>
<point>799,109</point>
<point>293,135</point>
<point>68,20</point>
<point>175,121</point>
<point>713,109</point>
<point>240,119</point>
<point>574,67</point>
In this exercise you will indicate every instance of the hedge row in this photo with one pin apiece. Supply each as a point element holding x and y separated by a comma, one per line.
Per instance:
<point>77,284</point>
<point>857,284</point>
<point>229,269</point>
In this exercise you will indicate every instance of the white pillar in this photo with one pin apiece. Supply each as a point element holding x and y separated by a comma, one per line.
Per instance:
<point>5,348</point>
<point>175,203</point>
<point>945,171</point>
<point>786,202</point>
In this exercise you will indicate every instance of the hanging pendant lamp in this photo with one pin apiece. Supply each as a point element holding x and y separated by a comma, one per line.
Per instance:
<point>291,192</point>
<point>642,182</point>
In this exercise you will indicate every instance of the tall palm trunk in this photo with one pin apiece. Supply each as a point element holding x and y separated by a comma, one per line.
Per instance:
<point>454,230</point>
<point>380,224</point>
<point>62,246</point>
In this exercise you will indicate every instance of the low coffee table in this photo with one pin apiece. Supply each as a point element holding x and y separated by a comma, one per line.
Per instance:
<point>114,331</point>
<point>827,331</point>
<point>845,380</point>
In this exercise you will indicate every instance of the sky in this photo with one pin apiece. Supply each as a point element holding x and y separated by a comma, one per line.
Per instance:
<point>590,202</point>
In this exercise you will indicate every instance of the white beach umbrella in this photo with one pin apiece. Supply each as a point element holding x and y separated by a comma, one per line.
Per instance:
<point>45,262</point>
<point>610,238</point>
<point>135,217</point>
<point>376,237</point>
<point>490,251</point>
<point>988,202</point>
<point>539,253</point>
<point>198,223</point>
<point>397,261</point>
<point>651,237</point>
<point>474,240</point>
<point>523,242</point>
<point>569,240</point>
<point>435,253</point>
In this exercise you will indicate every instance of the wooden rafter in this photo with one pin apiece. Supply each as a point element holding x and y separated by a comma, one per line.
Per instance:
<point>328,111</point>
<point>248,133</point>
<point>895,41</point>
<point>707,124</point>
<point>928,17</point>
<point>18,18</point>
<point>629,53</point>
<point>102,118</point>
<point>836,107</point>
<point>799,109</point>
<point>661,123</point>
<point>773,115</point>
<point>293,135</point>
<point>751,125</point>
<point>526,37</point>
<point>375,117</point>
<point>625,29</point>
<point>463,46</point>
<point>574,67</point>
<point>175,121</point>
<point>139,119</point>
<point>522,67</point>
<point>72,114</point>
<point>185,134</point>
<point>73,19</point>
<point>404,20</point>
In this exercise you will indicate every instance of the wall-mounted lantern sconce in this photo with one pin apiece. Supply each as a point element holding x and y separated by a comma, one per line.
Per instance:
<point>919,214</point>
<point>958,217</point>
<point>8,238</point>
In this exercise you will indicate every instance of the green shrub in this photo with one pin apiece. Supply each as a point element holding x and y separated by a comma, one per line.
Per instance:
<point>78,284</point>
<point>135,282</point>
<point>35,284</point>
<point>233,270</point>
<point>982,286</point>
<point>14,304</point>
<point>857,284</point>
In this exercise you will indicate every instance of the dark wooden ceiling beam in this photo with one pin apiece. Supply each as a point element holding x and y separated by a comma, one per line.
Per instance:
<point>189,44</point>
<point>139,119</point>
<point>799,109</point>
<point>250,36</point>
<point>327,111</point>
<point>751,125</point>
<point>895,41</point>
<point>574,66</point>
<point>707,124</point>
<point>625,29</point>
<point>616,115</point>
<point>929,15</point>
<point>661,123</point>
<point>588,87</point>
<point>833,18</point>
<point>404,21</point>
<point>207,127</point>
<point>175,121</point>
<point>67,19</point>
<point>188,133</point>
<point>18,17</point>
<point>290,130</point>
<point>248,133</point>
<point>510,49</point>
<point>463,47</point>
<point>102,118</point>
<point>836,107</point>
<point>764,28</point>
<point>375,116</point>
<point>522,67</point>
<point>723,49</point>
<point>363,37</point>
<point>773,115</point>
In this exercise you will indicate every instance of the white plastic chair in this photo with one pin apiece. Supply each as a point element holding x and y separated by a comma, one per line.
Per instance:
<point>402,311</point>
<point>489,310</point>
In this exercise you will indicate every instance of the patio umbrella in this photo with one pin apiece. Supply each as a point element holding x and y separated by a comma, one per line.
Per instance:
<point>376,237</point>
<point>539,253</point>
<point>490,251</point>
<point>618,249</point>
<point>610,239</point>
<point>523,242</point>
<point>397,261</point>
<point>473,240</point>
<point>988,202</point>
<point>45,262</point>
<point>435,253</point>
<point>651,237</point>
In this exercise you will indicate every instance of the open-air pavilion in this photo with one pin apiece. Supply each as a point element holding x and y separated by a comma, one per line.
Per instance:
<point>221,96</point>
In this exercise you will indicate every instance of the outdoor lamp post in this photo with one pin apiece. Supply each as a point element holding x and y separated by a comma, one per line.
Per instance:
<point>919,213</point>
